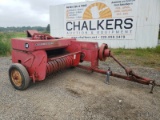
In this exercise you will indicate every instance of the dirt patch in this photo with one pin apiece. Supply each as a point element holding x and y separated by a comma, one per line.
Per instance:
<point>74,92</point>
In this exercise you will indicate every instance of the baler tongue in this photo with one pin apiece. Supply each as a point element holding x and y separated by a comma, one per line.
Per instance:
<point>132,76</point>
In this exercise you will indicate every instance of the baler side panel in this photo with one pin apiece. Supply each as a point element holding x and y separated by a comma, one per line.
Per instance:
<point>88,49</point>
<point>34,62</point>
<point>39,65</point>
<point>24,58</point>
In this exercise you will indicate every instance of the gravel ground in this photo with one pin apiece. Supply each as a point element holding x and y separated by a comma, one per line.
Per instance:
<point>76,94</point>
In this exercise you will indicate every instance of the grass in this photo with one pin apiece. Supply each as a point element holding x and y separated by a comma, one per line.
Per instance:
<point>5,41</point>
<point>138,51</point>
<point>149,57</point>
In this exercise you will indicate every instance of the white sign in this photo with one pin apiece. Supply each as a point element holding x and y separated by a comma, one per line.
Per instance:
<point>112,19</point>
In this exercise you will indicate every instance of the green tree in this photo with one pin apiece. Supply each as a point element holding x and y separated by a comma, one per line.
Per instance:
<point>48,28</point>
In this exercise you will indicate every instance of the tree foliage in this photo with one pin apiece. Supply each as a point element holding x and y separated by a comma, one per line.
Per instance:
<point>48,28</point>
<point>22,29</point>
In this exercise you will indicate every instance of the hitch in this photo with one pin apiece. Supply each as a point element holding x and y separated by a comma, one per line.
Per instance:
<point>108,75</point>
<point>132,76</point>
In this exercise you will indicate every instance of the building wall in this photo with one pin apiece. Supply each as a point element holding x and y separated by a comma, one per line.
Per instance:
<point>57,20</point>
<point>147,23</point>
<point>148,20</point>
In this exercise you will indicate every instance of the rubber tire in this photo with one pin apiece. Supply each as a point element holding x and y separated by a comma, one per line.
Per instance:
<point>24,74</point>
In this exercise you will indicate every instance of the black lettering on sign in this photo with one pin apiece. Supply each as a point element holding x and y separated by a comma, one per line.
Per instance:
<point>118,22</point>
<point>84,26</point>
<point>128,22</point>
<point>76,25</point>
<point>69,29</point>
<point>99,24</point>
<point>90,26</point>
<point>109,23</point>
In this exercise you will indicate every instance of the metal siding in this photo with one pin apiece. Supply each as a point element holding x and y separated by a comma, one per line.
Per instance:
<point>159,11</point>
<point>57,20</point>
<point>148,20</point>
<point>146,33</point>
<point>151,13</point>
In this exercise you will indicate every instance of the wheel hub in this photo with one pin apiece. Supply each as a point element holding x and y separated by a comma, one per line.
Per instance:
<point>16,78</point>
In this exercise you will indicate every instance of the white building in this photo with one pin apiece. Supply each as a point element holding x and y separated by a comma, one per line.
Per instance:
<point>119,23</point>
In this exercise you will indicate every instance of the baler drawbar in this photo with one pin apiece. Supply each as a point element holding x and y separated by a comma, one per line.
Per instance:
<point>39,55</point>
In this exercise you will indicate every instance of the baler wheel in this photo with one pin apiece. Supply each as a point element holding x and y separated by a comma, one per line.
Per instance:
<point>19,76</point>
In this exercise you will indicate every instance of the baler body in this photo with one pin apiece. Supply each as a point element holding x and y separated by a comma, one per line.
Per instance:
<point>43,57</point>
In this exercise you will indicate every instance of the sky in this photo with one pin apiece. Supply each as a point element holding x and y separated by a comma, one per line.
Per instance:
<point>19,13</point>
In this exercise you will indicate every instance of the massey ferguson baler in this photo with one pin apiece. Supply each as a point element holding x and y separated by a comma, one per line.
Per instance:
<point>39,55</point>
